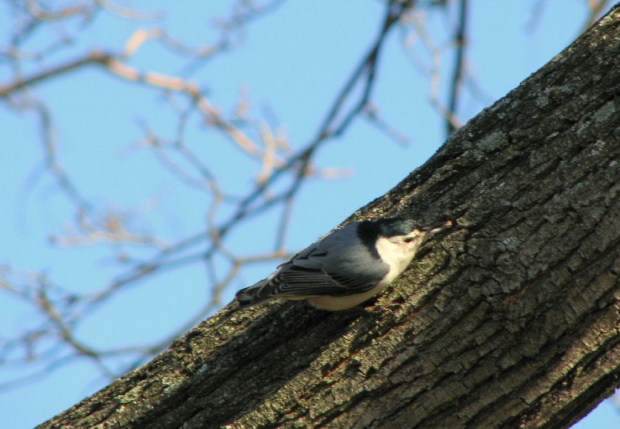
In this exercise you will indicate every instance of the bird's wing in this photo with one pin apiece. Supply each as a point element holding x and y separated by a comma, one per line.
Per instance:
<point>316,272</point>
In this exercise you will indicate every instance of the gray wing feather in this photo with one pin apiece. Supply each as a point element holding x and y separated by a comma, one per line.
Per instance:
<point>336,265</point>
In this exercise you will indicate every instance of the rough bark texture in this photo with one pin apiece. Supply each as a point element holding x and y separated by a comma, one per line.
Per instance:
<point>510,319</point>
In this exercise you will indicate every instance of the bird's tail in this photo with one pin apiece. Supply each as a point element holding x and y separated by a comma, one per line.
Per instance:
<point>252,295</point>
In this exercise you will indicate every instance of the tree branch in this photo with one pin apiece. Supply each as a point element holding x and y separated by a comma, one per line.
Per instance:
<point>509,320</point>
<point>460,39</point>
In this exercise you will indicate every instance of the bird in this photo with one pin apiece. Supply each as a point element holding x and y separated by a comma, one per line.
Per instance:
<point>345,267</point>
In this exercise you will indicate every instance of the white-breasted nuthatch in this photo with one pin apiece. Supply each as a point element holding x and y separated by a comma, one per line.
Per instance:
<point>346,267</point>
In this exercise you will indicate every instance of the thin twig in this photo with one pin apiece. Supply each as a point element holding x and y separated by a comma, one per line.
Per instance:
<point>460,41</point>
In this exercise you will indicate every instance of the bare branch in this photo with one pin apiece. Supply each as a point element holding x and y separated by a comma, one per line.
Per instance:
<point>460,40</point>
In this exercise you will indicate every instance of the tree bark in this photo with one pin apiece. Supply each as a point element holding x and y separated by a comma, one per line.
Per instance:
<point>509,319</point>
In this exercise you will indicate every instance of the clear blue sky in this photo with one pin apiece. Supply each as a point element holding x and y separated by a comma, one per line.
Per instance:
<point>292,62</point>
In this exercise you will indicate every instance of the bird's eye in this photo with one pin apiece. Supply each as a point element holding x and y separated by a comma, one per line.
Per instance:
<point>408,240</point>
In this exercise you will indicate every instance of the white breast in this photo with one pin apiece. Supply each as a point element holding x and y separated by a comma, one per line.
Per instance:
<point>397,254</point>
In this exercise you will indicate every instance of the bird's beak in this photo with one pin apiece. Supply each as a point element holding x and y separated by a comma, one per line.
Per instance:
<point>434,230</point>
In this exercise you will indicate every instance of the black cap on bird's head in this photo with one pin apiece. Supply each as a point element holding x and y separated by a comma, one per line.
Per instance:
<point>369,231</point>
<point>395,226</point>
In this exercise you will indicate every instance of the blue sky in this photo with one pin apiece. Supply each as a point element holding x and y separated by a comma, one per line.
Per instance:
<point>292,63</point>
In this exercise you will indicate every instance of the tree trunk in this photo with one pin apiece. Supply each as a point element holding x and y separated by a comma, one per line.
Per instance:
<point>509,319</point>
